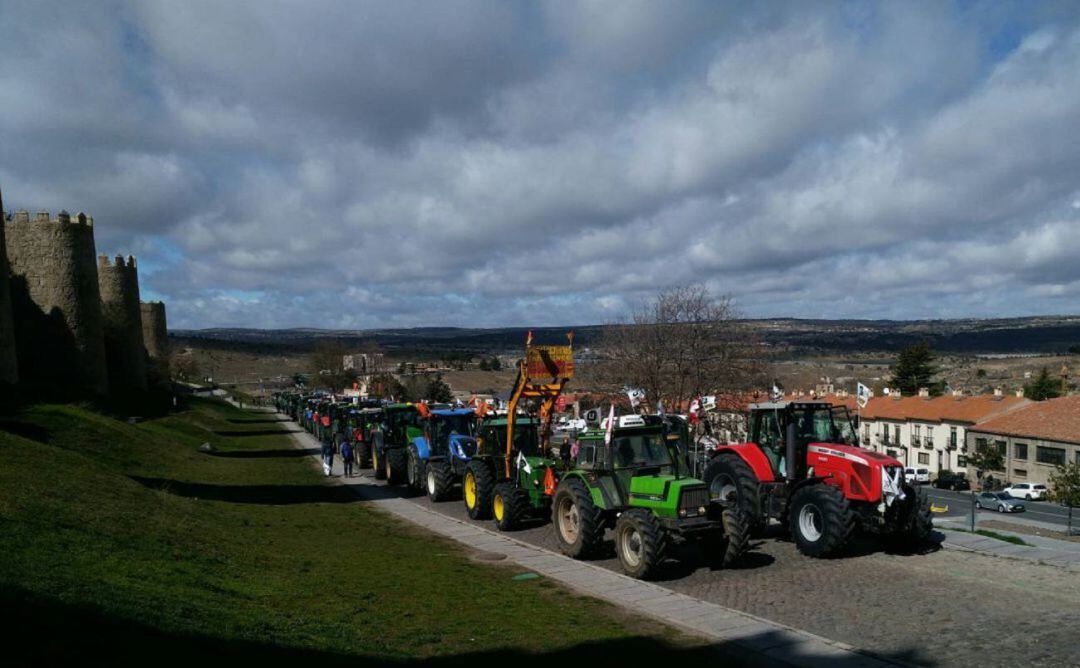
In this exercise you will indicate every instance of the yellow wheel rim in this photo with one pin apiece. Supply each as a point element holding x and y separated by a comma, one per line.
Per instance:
<point>470,490</point>
<point>375,459</point>
<point>497,507</point>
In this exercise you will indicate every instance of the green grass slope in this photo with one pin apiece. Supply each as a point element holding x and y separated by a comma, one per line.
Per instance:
<point>124,543</point>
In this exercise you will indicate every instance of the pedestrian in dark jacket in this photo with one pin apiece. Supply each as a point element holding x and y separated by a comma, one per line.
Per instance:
<point>347,458</point>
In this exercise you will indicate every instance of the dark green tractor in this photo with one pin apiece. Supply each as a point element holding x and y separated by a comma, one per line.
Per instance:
<point>487,492</point>
<point>397,426</point>
<point>637,484</point>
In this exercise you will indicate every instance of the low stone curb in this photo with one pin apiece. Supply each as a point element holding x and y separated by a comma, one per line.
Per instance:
<point>967,542</point>
<point>750,639</point>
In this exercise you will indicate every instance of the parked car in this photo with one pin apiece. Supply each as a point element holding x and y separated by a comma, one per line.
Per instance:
<point>953,481</point>
<point>999,501</point>
<point>1027,490</point>
<point>917,475</point>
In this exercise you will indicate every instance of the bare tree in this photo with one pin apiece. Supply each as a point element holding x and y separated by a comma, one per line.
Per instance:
<point>327,366</point>
<point>683,342</point>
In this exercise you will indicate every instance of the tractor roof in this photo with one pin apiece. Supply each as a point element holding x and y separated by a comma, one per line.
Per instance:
<point>783,405</point>
<point>500,420</point>
<point>400,407</point>
<point>450,412</point>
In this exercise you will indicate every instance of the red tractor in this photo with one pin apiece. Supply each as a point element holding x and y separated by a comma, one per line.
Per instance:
<point>803,467</point>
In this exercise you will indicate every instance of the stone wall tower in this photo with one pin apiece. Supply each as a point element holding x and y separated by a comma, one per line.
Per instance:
<point>155,333</point>
<point>8,360</point>
<point>122,318</point>
<point>56,302</point>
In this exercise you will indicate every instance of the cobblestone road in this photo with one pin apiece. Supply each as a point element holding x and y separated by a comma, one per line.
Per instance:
<point>941,608</point>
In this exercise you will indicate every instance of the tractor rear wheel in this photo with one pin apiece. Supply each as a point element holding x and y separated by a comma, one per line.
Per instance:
<point>821,520</point>
<point>476,487</point>
<point>437,479</point>
<point>415,470</point>
<point>640,542</point>
<point>509,505</point>
<point>396,462</point>
<point>579,524</point>
<point>732,481</point>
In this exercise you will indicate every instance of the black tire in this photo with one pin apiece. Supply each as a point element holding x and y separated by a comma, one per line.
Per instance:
<point>437,480</point>
<point>1001,507</point>
<point>363,454</point>
<point>579,524</point>
<point>914,522</point>
<point>640,543</point>
<point>728,474</point>
<point>736,536</point>
<point>415,474</point>
<point>397,460</point>
<point>484,483</point>
<point>378,454</point>
<point>509,506</point>
<point>821,520</point>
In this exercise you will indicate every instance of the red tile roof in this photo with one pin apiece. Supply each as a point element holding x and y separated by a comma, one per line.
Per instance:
<point>1051,420</point>
<point>965,409</point>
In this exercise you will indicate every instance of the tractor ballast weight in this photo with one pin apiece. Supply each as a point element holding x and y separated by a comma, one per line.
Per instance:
<point>803,467</point>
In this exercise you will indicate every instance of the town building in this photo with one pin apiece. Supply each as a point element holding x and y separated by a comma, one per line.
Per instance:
<point>926,431</point>
<point>1035,439</point>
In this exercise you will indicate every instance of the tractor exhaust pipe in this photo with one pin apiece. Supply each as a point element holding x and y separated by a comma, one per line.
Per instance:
<point>789,443</point>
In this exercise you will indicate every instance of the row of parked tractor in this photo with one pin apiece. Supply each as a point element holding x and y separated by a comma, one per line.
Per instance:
<point>630,473</point>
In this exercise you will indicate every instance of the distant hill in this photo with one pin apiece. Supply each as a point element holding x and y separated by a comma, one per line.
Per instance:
<point>1038,334</point>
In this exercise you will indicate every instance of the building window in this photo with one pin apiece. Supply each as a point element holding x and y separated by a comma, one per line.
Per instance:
<point>961,462</point>
<point>1020,472</point>
<point>1000,445</point>
<point>980,444</point>
<point>885,434</point>
<point>952,437</point>
<point>1020,451</point>
<point>924,458</point>
<point>866,432</point>
<point>896,434</point>
<point>1047,455</point>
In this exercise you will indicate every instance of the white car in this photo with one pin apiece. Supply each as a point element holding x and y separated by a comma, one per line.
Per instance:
<point>916,475</point>
<point>1027,490</point>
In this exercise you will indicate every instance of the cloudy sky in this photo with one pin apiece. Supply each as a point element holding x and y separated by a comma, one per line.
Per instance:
<point>376,164</point>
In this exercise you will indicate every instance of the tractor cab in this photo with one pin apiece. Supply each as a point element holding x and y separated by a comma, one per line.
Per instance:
<point>451,432</point>
<point>397,420</point>
<point>809,422</point>
<point>492,436</point>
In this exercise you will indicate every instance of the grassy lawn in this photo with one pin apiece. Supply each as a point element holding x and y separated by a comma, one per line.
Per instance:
<point>124,543</point>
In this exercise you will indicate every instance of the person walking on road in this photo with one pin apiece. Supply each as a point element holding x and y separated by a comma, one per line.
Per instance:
<point>328,456</point>
<point>347,458</point>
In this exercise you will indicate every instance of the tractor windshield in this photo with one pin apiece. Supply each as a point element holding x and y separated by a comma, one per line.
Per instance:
<point>823,424</point>
<point>640,450</point>
<point>465,425</point>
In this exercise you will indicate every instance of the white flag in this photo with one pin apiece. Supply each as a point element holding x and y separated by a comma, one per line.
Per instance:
<point>610,425</point>
<point>862,395</point>
<point>636,395</point>
<point>777,393</point>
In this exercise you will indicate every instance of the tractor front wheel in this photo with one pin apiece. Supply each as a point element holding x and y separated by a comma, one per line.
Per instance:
<point>509,506</point>
<point>821,520</point>
<point>725,548</point>
<point>579,525</point>
<point>415,469</point>
<point>476,487</point>
<point>396,462</point>
<point>640,542</point>
<point>915,521</point>
<point>438,480</point>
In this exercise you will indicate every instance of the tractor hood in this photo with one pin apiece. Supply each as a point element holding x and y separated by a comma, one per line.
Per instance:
<point>854,454</point>
<point>863,475</point>
<point>659,487</point>
<point>462,446</point>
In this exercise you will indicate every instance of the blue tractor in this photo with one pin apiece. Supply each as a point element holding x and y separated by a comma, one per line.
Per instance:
<point>438,456</point>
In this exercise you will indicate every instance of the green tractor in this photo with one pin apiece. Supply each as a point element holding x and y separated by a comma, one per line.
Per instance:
<point>395,429</point>
<point>512,477</point>
<point>631,477</point>
<point>484,471</point>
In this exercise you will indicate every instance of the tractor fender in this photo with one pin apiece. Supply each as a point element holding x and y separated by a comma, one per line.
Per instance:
<point>595,490</point>
<point>422,448</point>
<point>754,458</point>
<point>462,447</point>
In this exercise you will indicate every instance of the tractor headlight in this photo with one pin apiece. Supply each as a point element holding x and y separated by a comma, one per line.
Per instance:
<point>682,512</point>
<point>701,510</point>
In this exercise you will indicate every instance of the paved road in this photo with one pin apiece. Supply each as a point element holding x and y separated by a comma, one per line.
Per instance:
<point>959,504</point>
<point>941,608</point>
